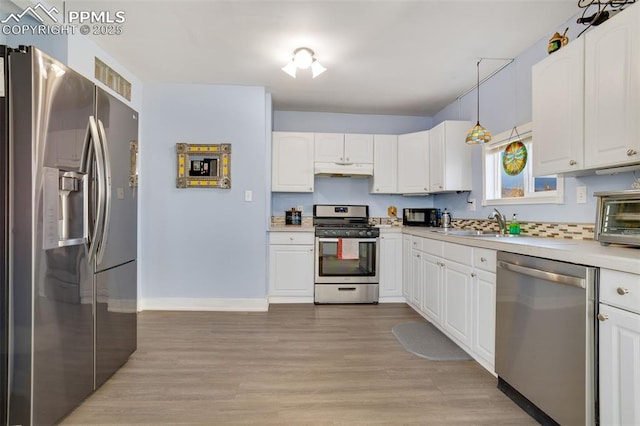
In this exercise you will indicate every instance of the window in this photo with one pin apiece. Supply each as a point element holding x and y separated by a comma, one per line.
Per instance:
<point>507,172</point>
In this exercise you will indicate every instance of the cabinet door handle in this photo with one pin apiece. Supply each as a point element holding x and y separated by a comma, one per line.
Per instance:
<point>473,274</point>
<point>603,317</point>
<point>290,238</point>
<point>482,259</point>
<point>622,291</point>
<point>631,152</point>
<point>573,162</point>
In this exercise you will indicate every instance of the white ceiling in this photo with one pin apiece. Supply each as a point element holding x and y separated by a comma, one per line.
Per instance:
<point>383,57</point>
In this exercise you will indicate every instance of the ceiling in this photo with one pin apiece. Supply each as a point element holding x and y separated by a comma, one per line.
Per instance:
<point>383,57</point>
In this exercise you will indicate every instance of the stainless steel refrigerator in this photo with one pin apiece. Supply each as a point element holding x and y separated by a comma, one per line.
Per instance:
<point>70,236</point>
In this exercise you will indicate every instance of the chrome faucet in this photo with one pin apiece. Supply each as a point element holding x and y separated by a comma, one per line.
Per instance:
<point>502,221</point>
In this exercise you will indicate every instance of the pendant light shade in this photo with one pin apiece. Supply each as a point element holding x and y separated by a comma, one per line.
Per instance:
<point>478,134</point>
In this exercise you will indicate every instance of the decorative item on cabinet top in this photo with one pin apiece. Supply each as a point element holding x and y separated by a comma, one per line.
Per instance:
<point>203,165</point>
<point>557,41</point>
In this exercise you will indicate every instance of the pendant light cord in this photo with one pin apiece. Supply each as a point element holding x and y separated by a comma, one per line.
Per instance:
<point>478,88</point>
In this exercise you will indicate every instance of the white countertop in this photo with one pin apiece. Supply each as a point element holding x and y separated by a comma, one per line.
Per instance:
<point>291,228</point>
<point>583,252</point>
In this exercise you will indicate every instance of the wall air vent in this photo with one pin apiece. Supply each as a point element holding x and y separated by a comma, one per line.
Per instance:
<point>112,79</point>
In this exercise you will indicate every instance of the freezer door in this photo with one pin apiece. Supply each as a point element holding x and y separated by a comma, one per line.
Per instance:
<point>116,319</point>
<point>121,129</point>
<point>51,285</point>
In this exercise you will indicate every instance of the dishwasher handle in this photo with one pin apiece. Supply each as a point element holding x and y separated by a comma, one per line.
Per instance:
<point>544,275</point>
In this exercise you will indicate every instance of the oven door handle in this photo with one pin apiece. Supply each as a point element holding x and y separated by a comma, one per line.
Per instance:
<point>335,240</point>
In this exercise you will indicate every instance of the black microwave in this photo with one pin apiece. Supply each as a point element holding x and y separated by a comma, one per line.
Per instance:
<point>421,217</point>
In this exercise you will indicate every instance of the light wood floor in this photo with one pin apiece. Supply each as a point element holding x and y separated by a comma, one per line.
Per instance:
<point>294,365</point>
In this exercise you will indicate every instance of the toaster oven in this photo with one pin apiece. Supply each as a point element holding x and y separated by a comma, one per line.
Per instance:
<point>618,217</point>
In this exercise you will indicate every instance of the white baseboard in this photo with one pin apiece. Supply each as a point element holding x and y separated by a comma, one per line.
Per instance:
<point>190,304</point>
<point>392,299</point>
<point>292,299</point>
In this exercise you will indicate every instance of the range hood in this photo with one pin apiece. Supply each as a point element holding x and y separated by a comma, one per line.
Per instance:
<point>344,169</point>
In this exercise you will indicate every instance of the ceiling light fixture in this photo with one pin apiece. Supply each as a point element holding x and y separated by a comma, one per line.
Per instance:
<point>303,58</point>
<point>478,134</point>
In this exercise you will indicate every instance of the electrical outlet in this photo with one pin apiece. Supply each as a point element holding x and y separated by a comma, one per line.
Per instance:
<point>471,205</point>
<point>248,195</point>
<point>581,195</point>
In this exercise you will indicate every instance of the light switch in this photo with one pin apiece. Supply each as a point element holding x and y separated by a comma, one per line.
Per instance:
<point>248,195</point>
<point>581,195</point>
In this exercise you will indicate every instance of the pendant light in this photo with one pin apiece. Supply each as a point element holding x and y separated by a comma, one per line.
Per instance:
<point>478,134</point>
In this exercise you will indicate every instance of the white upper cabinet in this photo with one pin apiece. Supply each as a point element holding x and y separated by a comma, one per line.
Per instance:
<point>413,163</point>
<point>385,164</point>
<point>343,148</point>
<point>558,111</point>
<point>358,148</point>
<point>612,91</point>
<point>329,148</point>
<point>449,157</point>
<point>292,162</point>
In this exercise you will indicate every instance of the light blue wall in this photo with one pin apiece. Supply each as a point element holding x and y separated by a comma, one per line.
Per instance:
<point>328,122</point>
<point>55,46</point>
<point>506,102</point>
<point>203,243</point>
<point>346,190</point>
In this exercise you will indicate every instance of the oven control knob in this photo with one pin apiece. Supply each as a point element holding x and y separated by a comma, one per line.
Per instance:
<point>369,233</point>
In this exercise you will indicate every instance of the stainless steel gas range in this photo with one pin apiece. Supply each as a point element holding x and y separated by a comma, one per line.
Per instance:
<point>347,255</point>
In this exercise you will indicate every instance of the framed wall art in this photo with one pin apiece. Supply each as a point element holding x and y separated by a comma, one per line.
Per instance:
<point>203,165</point>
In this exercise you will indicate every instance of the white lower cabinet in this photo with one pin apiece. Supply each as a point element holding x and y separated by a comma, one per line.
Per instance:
<point>456,296</point>
<point>415,292</point>
<point>619,362</point>
<point>390,288</point>
<point>406,266</point>
<point>432,269</point>
<point>454,287</point>
<point>484,318</point>
<point>619,348</point>
<point>291,265</point>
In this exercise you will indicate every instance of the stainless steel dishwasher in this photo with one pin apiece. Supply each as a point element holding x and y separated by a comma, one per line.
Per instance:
<point>545,337</point>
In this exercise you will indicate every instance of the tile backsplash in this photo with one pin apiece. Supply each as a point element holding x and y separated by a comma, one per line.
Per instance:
<point>575,231</point>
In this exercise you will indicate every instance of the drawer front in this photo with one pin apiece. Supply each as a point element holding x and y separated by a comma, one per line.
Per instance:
<point>458,253</point>
<point>620,289</point>
<point>291,238</point>
<point>434,247</point>
<point>484,259</point>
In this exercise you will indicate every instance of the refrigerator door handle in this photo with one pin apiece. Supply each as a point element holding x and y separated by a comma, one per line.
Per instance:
<point>92,146</point>
<point>107,204</point>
